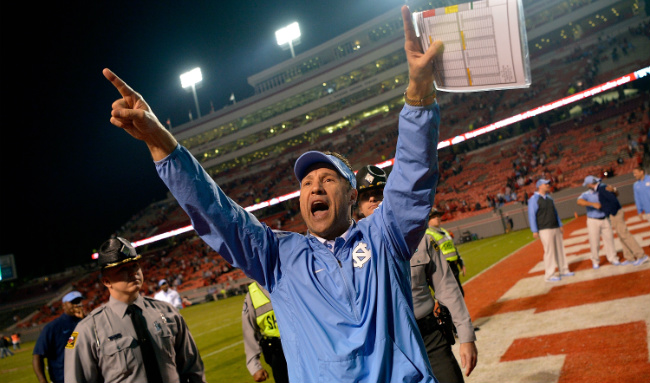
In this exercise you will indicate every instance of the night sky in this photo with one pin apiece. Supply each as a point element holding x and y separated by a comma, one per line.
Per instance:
<point>69,178</point>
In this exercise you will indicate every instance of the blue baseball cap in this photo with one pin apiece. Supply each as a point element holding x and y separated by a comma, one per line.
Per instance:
<point>590,180</point>
<point>542,181</point>
<point>313,157</point>
<point>71,296</point>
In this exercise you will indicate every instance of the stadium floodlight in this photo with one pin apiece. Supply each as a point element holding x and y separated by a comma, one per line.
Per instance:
<point>288,36</point>
<point>189,79</point>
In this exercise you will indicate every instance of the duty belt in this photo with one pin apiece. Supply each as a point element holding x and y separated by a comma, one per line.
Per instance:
<point>428,324</point>
<point>270,342</point>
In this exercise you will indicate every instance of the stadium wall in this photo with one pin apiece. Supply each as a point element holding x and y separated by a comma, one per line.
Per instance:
<point>492,222</point>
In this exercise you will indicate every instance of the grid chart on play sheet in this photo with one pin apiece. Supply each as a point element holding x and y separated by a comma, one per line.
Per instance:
<point>470,32</point>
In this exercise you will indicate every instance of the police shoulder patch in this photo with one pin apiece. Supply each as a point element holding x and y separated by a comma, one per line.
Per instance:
<point>72,340</point>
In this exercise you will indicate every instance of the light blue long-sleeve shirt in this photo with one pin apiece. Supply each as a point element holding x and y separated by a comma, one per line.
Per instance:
<point>346,315</point>
<point>642,195</point>
<point>592,196</point>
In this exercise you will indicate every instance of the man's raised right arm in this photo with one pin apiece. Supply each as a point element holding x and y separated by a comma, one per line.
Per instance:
<point>231,231</point>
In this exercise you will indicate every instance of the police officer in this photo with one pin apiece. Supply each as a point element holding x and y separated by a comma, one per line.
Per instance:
<point>261,335</point>
<point>131,338</point>
<point>429,270</point>
<point>445,242</point>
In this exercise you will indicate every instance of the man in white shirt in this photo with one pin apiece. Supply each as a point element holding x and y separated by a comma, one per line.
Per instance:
<point>168,295</point>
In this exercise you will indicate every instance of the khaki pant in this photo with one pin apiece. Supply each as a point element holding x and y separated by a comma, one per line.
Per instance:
<point>553,252</point>
<point>597,228</point>
<point>631,248</point>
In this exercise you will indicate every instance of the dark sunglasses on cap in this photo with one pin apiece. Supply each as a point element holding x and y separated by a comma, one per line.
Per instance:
<point>76,301</point>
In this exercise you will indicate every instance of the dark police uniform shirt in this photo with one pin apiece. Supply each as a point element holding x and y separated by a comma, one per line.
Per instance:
<point>104,345</point>
<point>51,344</point>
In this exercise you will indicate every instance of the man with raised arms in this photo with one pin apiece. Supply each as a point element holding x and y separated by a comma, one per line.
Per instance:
<point>341,293</point>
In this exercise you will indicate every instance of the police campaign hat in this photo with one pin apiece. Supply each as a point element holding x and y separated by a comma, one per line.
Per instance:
<point>116,251</point>
<point>370,177</point>
<point>435,213</point>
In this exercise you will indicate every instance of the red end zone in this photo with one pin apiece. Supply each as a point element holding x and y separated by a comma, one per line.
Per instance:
<point>586,328</point>
<point>605,354</point>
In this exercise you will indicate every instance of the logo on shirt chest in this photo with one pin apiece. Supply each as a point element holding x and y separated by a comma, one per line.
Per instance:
<point>360,255</point>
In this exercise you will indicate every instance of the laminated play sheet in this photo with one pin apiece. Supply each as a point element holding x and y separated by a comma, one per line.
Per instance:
<point>485,45</point>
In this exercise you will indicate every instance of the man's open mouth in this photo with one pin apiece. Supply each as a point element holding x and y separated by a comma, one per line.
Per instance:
<point>319,208</point>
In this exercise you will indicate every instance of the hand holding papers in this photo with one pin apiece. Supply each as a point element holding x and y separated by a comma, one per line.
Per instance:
<point>485,45</point>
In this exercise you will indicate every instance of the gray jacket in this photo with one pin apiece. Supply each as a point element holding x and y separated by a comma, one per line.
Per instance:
<point>430,269</point>
<point>104,347</point>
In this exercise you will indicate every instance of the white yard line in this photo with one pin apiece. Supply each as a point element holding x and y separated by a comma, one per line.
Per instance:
<point>222,349</point>
<point>213,329</point>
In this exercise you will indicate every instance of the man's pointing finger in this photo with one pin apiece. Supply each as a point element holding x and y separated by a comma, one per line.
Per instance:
<point>117,82</point>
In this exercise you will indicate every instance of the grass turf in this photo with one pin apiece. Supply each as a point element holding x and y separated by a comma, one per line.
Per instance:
<point>216,326</point>
<point>483,253</point>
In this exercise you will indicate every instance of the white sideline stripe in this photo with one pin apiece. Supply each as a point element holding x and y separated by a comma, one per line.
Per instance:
<point>222,349</point>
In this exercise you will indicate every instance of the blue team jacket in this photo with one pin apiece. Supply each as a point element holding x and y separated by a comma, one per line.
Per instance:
<point>347,316</point>
<point>642,195</point>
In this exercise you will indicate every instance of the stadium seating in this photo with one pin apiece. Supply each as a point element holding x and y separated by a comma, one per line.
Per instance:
<point>468,176</point>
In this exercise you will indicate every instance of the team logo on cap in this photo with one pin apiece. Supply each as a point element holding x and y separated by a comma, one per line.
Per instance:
<point>369,178</point>
<point>72,340</point>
